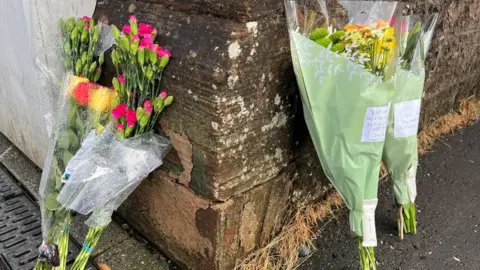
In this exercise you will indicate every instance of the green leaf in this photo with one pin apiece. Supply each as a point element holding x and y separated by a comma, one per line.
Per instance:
<point>51,202</point>
<point>57,175</point>
<point>63,140</point>
<point>66,157</point>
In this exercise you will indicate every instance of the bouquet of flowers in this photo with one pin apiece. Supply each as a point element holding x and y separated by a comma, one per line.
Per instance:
<point>344,55</point>
<point>83,106</point>
<point>400,153</point>
<point>108,167</point>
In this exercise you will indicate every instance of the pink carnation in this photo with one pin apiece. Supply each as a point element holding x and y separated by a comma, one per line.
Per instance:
<point>136,38</point>
<point>119,111</point>
<point>146,40</point>
<point>131,116</point>
<point>122,79</point>
<point>147,103</point>
<point>153,47</point>
<point>145,29</point>
<point>163,95</point>
<point>130,123</point>
<point>87,26</point>
<point>120,126</point>
<point>133,18</point>
<point>148,110</point>
<point>86,18</point>
<point>162,53</point>
<point>127,29</point>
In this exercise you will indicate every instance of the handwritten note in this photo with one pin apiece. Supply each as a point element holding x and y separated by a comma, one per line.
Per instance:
<point>375,124</point>
<point>405,118</point>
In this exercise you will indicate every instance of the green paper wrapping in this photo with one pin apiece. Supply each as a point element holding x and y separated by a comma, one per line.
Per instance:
<point>400,153</point>
<point>346,109</point>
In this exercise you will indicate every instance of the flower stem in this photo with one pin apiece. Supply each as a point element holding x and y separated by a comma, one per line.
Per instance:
<point>63,246</point>
<point>89,244</point>
<point>367,255</point>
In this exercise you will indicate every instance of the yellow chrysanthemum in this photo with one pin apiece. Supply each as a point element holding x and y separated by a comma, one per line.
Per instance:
<point>74,81</point>
<point>101,99</point>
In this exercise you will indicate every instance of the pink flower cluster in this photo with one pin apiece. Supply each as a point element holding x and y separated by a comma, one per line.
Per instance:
<point>147,33</point>
<point>122,110</point>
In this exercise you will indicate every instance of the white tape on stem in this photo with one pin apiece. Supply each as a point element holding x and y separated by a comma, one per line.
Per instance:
<point>368,223</point>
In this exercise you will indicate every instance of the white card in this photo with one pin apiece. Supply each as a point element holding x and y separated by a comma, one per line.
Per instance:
<point>406,116</point>
<point>412,183</point>
<point>375,124</point>
<point>368,223</point>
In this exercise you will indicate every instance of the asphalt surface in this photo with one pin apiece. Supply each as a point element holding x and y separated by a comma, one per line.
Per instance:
<point>448,205</point>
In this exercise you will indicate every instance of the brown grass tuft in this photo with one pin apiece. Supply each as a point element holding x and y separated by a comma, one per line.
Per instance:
<point>282,251</point>
<point>467,112</point>
<point>301,230</point>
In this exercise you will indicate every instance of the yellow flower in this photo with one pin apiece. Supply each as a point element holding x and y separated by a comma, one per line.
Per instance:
<point>74,81</point>
<point>386,44</point>
<point>101,99</point>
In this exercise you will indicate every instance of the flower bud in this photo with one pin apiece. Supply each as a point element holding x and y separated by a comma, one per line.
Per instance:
<point>101,59</point>
<point>70,24</point>
<point>129,131</point>
<point>78,67</point>
<point>115,57</point>
<point>84,58</point>
<point>168,101</point>
<point>153,57</point>
<point>96,35</point>
<point>84,37</point>
<point>116,32</point>
<point>149,72</point>
<point>96,77</point>
<point>92,67</point>
<point>124,43</point>
<point>141,56</point>
<point>164,61</point>
<point>140,112</point>
<point>116,84</point>
<point>74,35</point>
<point>144,120</point>
<point>67,48</point>
<point>158,105</point>
<point>134,46</point>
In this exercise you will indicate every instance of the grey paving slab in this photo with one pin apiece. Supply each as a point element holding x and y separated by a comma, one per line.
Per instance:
<point>113,235</point>
<point>131,255</point>
<point>4,143</point>
<point>23,169</point>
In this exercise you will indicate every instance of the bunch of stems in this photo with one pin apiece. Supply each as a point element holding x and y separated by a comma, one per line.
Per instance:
<point>367,255</point>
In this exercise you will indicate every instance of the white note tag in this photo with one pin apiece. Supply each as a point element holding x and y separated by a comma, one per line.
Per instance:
<point>368,223</point>
<point>375,124</point>
<point>406,116</point>
<point>412,183</point>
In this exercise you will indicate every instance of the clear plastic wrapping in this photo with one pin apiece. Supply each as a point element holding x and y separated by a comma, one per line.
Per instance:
<point>105,171</point>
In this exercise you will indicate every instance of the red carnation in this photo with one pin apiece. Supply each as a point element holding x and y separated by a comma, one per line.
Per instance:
<point>82,93</point>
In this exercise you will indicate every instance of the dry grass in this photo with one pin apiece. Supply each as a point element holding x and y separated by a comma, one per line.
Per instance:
<point>282,252</point>
<point>467,112</point>
<point>301,231</point>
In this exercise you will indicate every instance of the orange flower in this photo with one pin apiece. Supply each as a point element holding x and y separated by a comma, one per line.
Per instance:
<point>381,24</point>
<point>351,27</point>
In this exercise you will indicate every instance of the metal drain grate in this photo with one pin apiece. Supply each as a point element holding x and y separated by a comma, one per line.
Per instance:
<point>20,228</point>
<point>8,189</point>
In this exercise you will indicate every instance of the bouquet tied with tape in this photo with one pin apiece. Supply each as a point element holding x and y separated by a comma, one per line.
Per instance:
<point>344,55</point>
